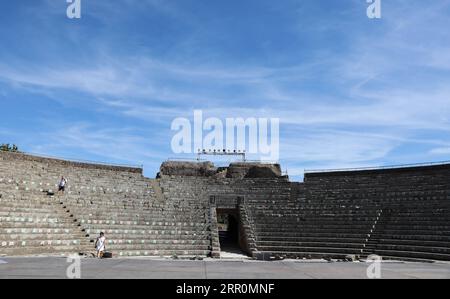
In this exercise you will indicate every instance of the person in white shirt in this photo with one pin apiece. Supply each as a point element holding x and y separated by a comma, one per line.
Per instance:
<point>62,185</point>
<point>100,245</point>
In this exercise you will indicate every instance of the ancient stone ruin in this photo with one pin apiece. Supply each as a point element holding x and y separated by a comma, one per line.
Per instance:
<point>199,210</point>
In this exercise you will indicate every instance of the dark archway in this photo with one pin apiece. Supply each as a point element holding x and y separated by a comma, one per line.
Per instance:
<point>229,231</point>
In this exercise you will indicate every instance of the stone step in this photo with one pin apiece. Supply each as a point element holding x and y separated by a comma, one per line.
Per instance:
<point>138,237</point>
<point>302,255</point>
<point>51,218</point>
<point>163,253</point>
<point>275,239</point>
<point>194,229</point>
<point>318,234</point>
<point>122,209</point>
<point>134,213</point>
<point>311,222</point>
<point>37,243</point>
<point>34,225</point>
<point>322,250</point>
<point>318,212</point>
<point>373,242</point>
<point>25,202</point>
<point>134,231</point>
<point>146,218</point>
<point>149,247</point>
<point>402,247</point>
<point>420,238</point>
<point>406,231</point>
<point>156,242</point>
<point>284,228</point>
<point>139,223</point>
<point>397,254</point>
<point>33,230</point>
<point>18,209</point>
<point>401,220</point>
<point>43,250</point>
<point>318,243</point>
<point>111,215</point>
<point>414,225</point>
<point>13,216</point>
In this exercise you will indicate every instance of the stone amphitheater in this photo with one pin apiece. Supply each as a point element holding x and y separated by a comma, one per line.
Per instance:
<point>199,210</point>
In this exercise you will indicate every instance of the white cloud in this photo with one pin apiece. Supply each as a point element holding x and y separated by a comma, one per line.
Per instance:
<point>391,84</point>
<point>440,151</point>
<point>127,145</point>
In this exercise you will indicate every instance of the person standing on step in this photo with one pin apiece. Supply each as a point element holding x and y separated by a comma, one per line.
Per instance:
<point>100,245</point>
<point>62,185</point>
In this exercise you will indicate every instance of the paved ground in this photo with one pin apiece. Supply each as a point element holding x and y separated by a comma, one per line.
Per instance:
<point>56,267</point>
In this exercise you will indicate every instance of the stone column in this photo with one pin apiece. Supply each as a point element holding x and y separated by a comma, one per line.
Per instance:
<point>215,243</point>
<point>247,228</point>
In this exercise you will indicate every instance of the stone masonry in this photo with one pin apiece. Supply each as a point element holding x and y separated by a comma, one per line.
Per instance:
<point>395,213</point>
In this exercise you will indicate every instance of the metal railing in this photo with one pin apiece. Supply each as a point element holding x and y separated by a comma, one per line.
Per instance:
<point>185,160</point>
<point>307,171</point>
<point>222,153</point>
<point>73,160</point>
<point>263,162</point>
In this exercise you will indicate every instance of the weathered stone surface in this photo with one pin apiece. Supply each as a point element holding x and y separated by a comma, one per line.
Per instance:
<point>11,156</point>
<point>181,168</point>
<point>253,170</point>
<point>30,268</point>
<point>395,213</point>
<point>137,218</point>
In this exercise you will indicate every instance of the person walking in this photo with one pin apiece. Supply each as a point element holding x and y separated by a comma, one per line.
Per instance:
<point>100,245</point>
<point>62,185</point>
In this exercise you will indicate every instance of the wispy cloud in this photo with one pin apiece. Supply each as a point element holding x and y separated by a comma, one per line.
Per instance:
<point>348,91</point>
<point>440,151</point>
<point>119,145</point>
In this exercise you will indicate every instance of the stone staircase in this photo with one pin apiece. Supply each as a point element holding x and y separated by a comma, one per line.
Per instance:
<point>141,223</point>
<point>32,223</point>
<point>412,231</point>
<point>408,210</point>
<point>395,213</point>
<point>132,212</point>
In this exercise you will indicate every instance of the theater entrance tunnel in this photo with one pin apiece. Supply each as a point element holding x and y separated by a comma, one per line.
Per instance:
<point>230,231</point>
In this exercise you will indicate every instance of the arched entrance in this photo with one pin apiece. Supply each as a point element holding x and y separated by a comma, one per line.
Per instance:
<point>229,232</point>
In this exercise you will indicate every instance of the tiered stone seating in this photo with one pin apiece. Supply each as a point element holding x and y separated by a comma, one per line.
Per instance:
<point>118,201</point>
<point>190,205</point>
<point>140,225</point>
<point>411,229</point>
<point>33,224</point>
<point>266,210</point>
<point>396,213</point>
<point>412,204</point>
<point>286,226</point>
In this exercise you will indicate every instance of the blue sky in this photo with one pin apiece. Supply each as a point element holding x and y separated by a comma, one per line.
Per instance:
<point>349,91</point>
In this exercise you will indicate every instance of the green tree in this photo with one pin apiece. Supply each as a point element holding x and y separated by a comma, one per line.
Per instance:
<point>6,147</point>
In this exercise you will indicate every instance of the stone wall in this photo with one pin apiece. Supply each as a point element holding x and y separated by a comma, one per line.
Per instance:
<point>396,213</point>
<point>116,200</point>
<point>182,168</point>
<point>23,159</point>
<point>253,170</point>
